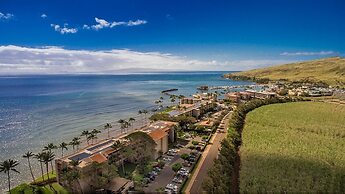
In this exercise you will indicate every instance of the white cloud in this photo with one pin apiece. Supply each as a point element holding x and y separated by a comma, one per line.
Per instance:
<point>5,16</point>
<point>57,60</point>
<point>136,23</point>
<point>102,23</point>
<point>44,15</point>
<point>64,29</point>
<point>321,53</point>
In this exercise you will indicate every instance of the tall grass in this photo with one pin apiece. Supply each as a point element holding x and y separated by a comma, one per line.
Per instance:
<point>294,147</point>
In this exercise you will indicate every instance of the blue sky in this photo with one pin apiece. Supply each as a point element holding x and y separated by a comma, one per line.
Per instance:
<point>226,35</point>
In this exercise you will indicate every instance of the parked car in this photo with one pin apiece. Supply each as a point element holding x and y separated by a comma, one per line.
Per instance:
<point>154,173</point>
<point>146,180</point>
<point>172,187</point>
<point>157,169</point>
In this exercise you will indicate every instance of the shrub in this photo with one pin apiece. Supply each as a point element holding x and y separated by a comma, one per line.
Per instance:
<point>195,143</point>
<point>176,167</point>
<point>185,156</point>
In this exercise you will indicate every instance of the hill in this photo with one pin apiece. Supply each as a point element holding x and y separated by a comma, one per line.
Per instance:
<point>294,148</point>
<point>328,70</point>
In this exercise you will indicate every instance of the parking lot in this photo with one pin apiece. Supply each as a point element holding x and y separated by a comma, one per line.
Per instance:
<point>167,180</point>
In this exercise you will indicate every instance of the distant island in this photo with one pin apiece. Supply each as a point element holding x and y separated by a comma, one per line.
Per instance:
<point>329,71</point>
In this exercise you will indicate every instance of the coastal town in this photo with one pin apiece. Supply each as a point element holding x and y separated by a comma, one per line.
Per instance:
<point>170,152</point>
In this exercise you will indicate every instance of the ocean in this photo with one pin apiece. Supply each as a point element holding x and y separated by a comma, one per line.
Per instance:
<point>37,110</point>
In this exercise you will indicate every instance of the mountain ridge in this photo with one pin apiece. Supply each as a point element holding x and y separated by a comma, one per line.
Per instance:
<point>330,71</point>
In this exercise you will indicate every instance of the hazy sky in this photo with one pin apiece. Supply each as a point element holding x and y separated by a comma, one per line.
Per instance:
<point>100,36</point>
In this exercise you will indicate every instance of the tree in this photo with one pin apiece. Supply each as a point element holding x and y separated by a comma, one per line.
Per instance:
<point>104,173</point>
<point>94,133</point>
<point>131,121</point>
<point>75,174</point>
<point>50,147</point>
<point>140,149</point>
<point>7,166</point>
<point>91,137</point>
<point>126,125</point>
<point>140,112</point>
<point>85,133</point>
<point>184,156</point>
<point>108,126</point>
<point>28,155</point>
<point>119,146</point>
<point>75,142</point>
<point>63,146</point>
<point>176,167</point>
<point>121,122</point>
<point>47,158</point>
<point>39,157</point>
<point>145,112</point>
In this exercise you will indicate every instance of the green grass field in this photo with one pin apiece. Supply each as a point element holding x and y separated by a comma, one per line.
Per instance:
<point>294,147</point>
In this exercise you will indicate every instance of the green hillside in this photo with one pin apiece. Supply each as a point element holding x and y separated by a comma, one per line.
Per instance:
<point>328,70</point>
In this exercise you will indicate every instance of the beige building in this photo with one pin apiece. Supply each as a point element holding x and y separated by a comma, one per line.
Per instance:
<point>162,132</point>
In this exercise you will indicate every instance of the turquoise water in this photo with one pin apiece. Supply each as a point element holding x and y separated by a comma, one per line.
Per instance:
<point>36,110</point>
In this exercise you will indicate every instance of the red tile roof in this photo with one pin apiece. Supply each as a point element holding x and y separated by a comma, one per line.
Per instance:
<point>158,134</point>
<point>99,158</point>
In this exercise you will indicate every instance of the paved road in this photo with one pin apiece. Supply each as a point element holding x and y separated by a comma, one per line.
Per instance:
<point>209,155</point>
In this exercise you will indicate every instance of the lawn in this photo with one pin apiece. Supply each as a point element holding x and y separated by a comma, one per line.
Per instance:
<point>294,147</point>
<point>28,189</point>
<point>52,175</point>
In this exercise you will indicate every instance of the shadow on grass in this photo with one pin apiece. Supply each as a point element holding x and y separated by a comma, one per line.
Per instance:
<point>279,174</point>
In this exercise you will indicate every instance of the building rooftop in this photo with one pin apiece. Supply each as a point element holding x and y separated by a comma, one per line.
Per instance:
<point>101,150</point>
<point>99,158</point>
<point>159,125</point>
<point>158,134</point>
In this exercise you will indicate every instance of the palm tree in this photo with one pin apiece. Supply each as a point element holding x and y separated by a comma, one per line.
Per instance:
<point>50,147</point>
<point>121,122</point>
<point>63,146</point>
<point>74,163</point>
<point>6,166</point>
<point>145,112</point>
<point>85,133</point>
<point>126,126</point>
<point>47,158</point>
<point>108,126</point>
<point>75,174</point>
<point>118,145</point>
<point>28,155</point>
<point>91,137</point>
<point>39,157</point>
<point>131,121</point>
<point>95,132</point>
<point>75,142</point>
<point>140,112</point>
